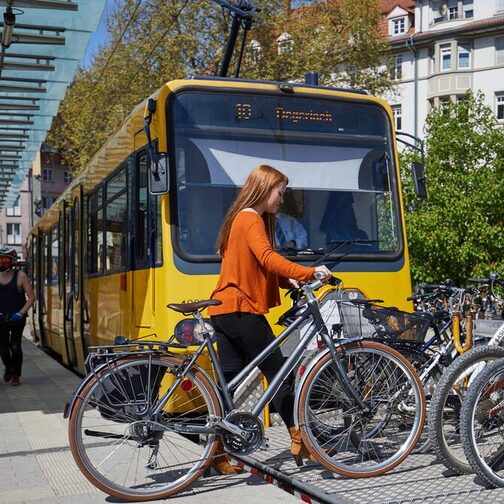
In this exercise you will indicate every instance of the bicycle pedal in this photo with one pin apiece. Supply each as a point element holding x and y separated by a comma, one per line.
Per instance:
<point>265,444</point>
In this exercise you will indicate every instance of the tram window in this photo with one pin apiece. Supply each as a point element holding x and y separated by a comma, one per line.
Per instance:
<point>116,184</point>
<point>337,156</point>
<point>148,219</point>
<point>53,272</point>
<point>116,233</point>
<point>95,232</point>
<point>142,222</point>
<point>47,262</point>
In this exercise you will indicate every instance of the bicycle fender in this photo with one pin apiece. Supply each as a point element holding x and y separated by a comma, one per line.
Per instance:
<point>69,406</point>
<point>303,379</point>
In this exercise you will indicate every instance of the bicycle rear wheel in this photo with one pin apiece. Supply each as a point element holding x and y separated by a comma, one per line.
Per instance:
<point>122,449</point>
<point>482,425</point>
<point>342,437</point>
<point>445,407</point>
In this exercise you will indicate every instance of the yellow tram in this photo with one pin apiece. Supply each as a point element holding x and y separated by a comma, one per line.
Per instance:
<point>109,255</point>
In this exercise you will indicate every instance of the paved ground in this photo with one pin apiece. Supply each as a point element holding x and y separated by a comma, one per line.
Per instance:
<point>36,465</point>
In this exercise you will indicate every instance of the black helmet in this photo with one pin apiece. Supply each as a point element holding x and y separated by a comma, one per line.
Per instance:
<point>8,258</point>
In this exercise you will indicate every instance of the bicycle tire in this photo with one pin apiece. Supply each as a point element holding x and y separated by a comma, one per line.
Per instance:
<point>113,440</point>
<point>347,441</point>
<point>443,417</point>
<point>420,360</point>
<point>480,425</point>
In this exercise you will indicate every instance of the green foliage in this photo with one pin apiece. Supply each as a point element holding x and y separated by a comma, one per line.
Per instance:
<point>458,232</point>
<point>155,41</point>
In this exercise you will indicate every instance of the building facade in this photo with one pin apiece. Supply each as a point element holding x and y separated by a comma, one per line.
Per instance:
<point>16,221</point>
<point>53,177</point>
<point>440,50</point>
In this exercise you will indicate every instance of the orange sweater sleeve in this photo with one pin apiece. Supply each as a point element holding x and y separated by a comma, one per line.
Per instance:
<point>260,246</point>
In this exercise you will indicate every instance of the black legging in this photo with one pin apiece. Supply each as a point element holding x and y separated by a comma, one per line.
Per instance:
<point>241,337</point>
<point>10,347</point>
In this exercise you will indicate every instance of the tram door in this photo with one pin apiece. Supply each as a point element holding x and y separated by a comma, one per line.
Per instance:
<point>33,264</point>
<point>40,271</point>
<point>68,294</point>
<point>76,261</point>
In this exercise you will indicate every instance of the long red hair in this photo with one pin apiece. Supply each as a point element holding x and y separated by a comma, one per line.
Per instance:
<point>257,188</point>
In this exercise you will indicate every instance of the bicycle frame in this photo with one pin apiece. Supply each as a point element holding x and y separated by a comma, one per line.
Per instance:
<point>310,310</point>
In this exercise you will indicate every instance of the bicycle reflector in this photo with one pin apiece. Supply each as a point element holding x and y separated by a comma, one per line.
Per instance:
<point>188,332</point>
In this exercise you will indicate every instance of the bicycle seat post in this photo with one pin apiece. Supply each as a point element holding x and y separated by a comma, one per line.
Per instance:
<point>204,331</point>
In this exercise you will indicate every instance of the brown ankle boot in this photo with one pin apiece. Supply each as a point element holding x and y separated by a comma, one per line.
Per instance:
<point>221,464</point>
<point>298,448</point>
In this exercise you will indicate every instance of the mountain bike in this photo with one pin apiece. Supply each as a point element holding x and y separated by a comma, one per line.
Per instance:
<point>144,423</point>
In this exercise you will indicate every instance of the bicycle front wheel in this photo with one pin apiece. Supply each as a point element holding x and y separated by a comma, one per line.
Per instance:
<point>482,425</point>
<point>122,449</point>
<point>344,438</point>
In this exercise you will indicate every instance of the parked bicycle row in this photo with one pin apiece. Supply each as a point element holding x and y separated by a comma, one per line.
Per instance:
<point>145,422</point>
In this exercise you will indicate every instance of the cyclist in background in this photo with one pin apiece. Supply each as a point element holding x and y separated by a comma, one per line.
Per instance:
<point>16,298</point>
<point>248,286</point>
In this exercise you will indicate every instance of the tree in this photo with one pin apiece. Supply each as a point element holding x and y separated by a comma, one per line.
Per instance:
<point>152,42</point>
<point>341,39</point>
<point>458,232</point>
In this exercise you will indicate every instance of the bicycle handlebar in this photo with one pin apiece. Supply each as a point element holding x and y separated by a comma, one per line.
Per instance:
<point>487,281</point>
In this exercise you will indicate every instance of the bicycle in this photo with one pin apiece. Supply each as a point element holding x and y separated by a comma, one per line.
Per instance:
<point>482,425</point>
<point>144,422</point>
<point>444,413</point>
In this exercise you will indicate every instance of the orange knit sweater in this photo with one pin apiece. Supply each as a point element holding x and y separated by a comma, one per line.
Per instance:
<point>251,270</point>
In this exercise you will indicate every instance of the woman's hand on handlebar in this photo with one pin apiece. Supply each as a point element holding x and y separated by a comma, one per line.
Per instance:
<point>294,283</point>
<point>323,273</point>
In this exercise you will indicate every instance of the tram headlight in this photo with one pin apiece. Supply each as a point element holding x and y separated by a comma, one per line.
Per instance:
<point>188,332</point>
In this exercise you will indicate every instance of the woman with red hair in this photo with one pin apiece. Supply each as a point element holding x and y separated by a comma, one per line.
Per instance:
<point>248,286</point>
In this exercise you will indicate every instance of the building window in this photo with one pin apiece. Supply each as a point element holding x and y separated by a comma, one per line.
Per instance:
<point>499,51</point>
<point>15,210</point>
<point>398,26</point>
<point>47,175</point>
<point>464,57</point>
<point>13,234</point>
<point>285,43</point>
<point>500,5</point>
<point>437,11</point>
<point>468,9</point>
<point>445,57</point>
<point>47,201</point>
<point>444,100</point>
<point>500,106</point>
<point>397,67</point>
<point>397,110</point>
<point>67,177</point>
<point>255,52</point>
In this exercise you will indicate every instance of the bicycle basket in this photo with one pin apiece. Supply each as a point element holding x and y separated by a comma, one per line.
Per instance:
<point>373,321</point>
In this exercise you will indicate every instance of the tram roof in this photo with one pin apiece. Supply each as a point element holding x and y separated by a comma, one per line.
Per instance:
<point>42,44</point>
<point>124,141</point>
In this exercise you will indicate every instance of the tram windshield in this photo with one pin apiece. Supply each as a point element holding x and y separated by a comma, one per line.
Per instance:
<point>337,155</point>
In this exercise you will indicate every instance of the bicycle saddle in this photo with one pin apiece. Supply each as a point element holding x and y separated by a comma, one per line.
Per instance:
<point>192,307</point>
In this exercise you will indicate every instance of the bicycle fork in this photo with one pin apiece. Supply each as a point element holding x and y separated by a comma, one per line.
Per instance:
<point>345,381</point>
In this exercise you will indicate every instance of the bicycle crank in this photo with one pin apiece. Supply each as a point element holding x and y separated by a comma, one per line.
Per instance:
<point>251,436</point>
